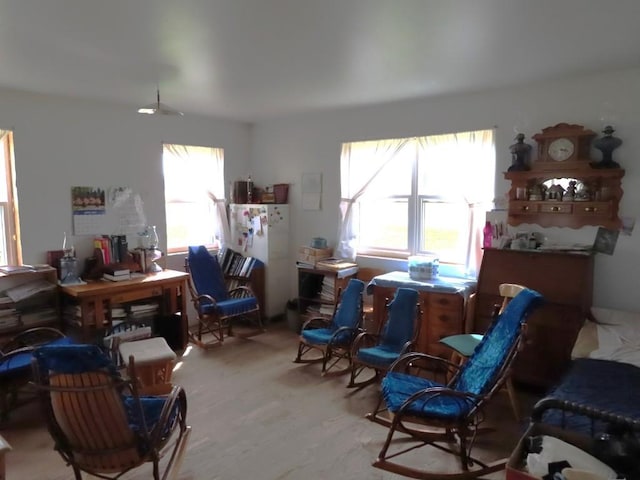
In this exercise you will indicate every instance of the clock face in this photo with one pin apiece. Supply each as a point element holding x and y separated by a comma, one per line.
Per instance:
<point>560,149</point>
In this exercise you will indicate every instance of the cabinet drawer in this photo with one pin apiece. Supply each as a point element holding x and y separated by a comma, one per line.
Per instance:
<point>444,301</point>
<point>137,295</point>
<point>593,209</point>
<point>555,207</point>
<point>522,208</point>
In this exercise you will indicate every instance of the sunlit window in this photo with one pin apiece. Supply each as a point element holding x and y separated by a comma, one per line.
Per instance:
<point>10,253</point>
<point>193,181</point>
<point>418,195</point>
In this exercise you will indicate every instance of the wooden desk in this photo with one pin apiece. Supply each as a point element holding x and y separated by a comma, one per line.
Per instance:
<point>96,298</point>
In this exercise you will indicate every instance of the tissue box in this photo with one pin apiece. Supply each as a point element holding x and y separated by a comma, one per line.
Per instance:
<point>312,255</point>
<point>423,267</point>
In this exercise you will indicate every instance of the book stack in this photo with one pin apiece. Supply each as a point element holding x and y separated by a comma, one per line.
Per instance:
<point>328,289</point>
<point>116,275</point>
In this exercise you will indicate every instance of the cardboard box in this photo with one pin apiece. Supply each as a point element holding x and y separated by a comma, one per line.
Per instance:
<point>515,469</point>
<point>312,255</point>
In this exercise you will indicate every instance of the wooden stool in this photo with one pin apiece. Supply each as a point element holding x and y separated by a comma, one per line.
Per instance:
<point>153,360</point>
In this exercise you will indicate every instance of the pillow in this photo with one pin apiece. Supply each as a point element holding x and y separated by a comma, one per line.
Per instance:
<point>587,340</point>
<point>618,335</point>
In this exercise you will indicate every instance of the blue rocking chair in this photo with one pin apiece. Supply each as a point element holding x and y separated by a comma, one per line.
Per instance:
<point>377,352</point>
<point>333,337</point>
<point>216,306</point>
<point>452,413</point>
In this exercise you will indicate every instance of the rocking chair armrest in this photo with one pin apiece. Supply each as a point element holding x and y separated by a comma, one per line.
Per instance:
<point>30,337</point>
<point>176,396</point>
<point>361,339</point>
<point>316,322</point>
<point>341,330</point>
<point>435,392</point>
<point>6,356</point>
<point>405,360</point>
<point>210,300</point>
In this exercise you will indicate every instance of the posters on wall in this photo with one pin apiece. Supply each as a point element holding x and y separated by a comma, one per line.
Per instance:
<point>111,211</point>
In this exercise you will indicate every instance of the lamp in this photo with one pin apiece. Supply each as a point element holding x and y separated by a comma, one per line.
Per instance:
<point>159,108</point>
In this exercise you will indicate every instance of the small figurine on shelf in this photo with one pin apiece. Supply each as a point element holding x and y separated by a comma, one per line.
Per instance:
<point>519,154</point>
<point>607,144</point>
<point>570,194</point>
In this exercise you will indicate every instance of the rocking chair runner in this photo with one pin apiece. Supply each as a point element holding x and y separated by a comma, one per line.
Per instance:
<point>217,307</point>
<point>98,421</point>
<point>452,412</point>
<point>399,334</point>
<point>333,337</point>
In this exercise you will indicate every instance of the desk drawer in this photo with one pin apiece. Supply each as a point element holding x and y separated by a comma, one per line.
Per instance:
<point>445,301</point>
<point>136,295</point>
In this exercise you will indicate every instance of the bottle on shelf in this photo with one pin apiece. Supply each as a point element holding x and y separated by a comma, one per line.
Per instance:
<point>487,235</point>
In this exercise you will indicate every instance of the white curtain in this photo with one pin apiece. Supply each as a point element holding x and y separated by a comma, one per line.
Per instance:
<point>359,164</point>
<point>207,181</point>
<point>452,153</point>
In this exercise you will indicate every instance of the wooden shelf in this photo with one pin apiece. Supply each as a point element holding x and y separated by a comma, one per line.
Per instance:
<point>600,209</point>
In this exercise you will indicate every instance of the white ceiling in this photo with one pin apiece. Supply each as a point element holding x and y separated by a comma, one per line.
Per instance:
<point>254,59</point>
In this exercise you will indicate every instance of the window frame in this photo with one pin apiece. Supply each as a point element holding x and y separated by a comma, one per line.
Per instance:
<point>10,212</point>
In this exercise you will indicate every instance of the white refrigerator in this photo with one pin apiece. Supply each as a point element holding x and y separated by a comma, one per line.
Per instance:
<point>262,231</point>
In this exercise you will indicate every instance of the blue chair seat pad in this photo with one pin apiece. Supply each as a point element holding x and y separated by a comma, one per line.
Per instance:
<point>382,355</point>
<point>235,306</point>
<point>398,387</point>
<point>22,361</point>
<point>323,336</point>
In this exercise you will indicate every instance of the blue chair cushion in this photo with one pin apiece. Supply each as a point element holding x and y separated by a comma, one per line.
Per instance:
<point>151,409</point>
<point>22,361</point>
<point>398,387</point>
<point>322,336</point>
<point>382,355</point>
<point>235,306</point>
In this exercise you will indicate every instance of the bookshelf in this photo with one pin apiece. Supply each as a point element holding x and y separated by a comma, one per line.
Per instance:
<point>244,271</point>
<point>318,289</point>
<point>28,299</point>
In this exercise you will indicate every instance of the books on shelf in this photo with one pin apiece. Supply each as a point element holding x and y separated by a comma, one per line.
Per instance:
<point>235,264</point>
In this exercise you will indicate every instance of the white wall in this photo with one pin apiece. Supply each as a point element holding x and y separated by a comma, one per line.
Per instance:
<point>285,148</point>
<point>60,143</point>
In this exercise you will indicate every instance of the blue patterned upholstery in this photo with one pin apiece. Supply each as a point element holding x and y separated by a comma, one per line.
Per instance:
<point>477,375</point>
<point>346,319</point>
<point>399,329</point>
<point>333,337</point>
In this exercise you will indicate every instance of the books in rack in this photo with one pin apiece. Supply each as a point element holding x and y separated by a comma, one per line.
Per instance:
<point>235,264</point>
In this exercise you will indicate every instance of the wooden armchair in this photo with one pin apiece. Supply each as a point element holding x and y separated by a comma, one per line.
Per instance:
<point>98,421</point>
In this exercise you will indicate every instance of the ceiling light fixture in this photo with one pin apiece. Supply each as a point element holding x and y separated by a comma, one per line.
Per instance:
<point>159,108</point>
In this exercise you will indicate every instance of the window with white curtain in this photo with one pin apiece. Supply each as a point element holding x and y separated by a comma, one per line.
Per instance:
<point>10,252</point>
<point>194,196</point>
<point>417,195</point>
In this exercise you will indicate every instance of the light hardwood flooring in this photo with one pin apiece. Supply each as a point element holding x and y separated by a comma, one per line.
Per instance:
<point>257,415</point>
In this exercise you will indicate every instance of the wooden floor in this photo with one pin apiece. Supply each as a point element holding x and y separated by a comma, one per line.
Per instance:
<point>257,415</point>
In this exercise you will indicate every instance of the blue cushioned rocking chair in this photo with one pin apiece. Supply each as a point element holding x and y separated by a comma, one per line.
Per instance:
<point>452,413</point>
<point>377,352</point>
<point>216,306</point>
<point>98,421</point>
<point>333,337</point>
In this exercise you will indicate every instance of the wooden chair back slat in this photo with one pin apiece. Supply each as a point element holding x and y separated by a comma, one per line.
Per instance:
<point>94,421</point>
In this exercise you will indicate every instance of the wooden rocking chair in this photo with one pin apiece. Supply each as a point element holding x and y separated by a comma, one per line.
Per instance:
<point>448,417</point>
<point>98,421</point>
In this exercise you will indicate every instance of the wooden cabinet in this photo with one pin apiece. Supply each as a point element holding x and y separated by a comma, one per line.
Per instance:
<point>255,281</point>
<point>442,315</point>
<point>599,206</point>
<point>318,289</point>
<point>29,300</point>
<point>566,282</point>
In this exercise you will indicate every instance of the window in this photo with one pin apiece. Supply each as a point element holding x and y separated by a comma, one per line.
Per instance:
<point>194,196</point>
<point>10,253</point>
<point>418,195</point>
